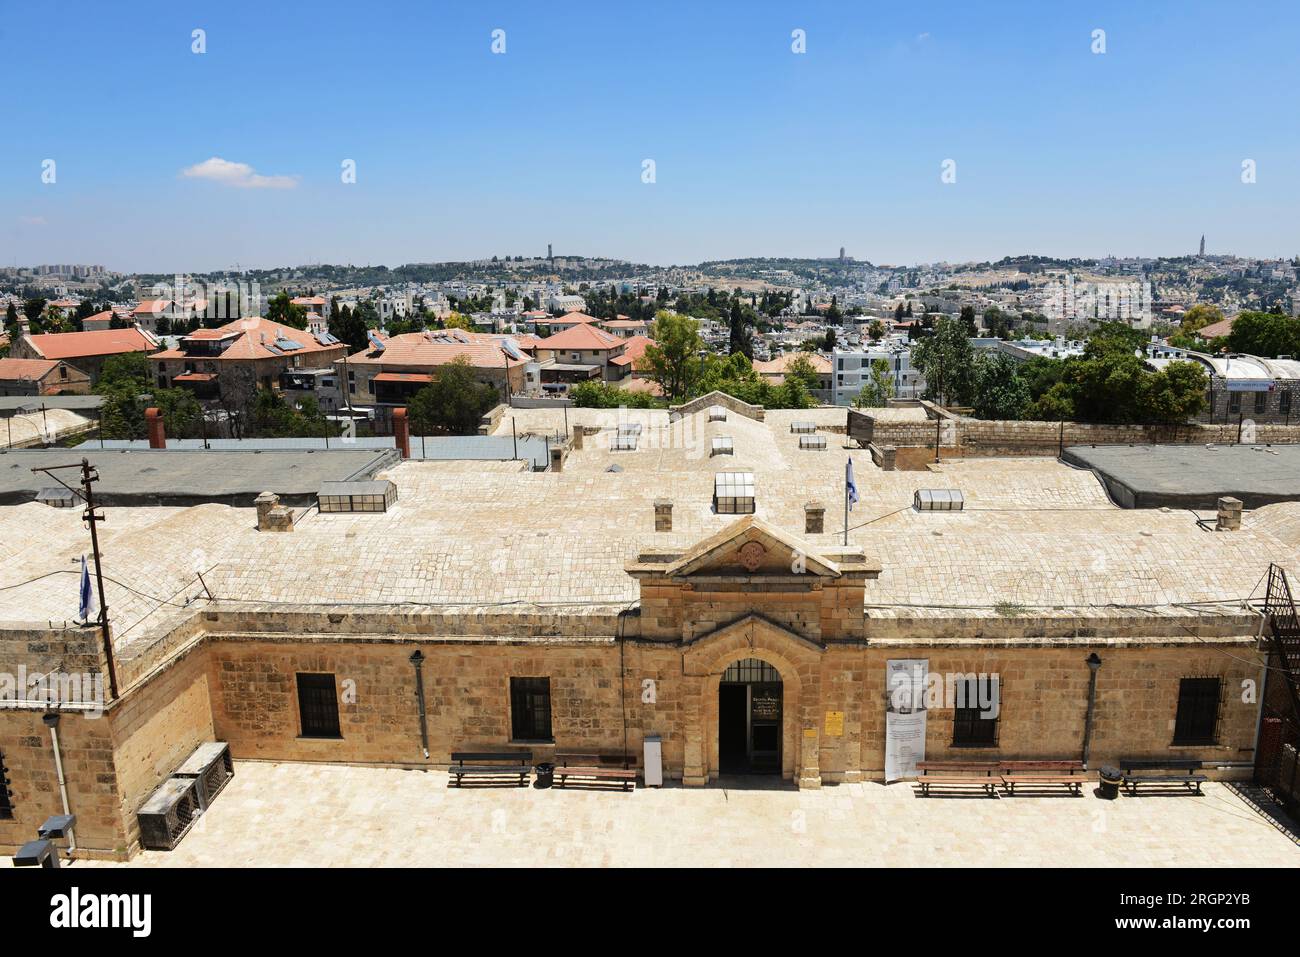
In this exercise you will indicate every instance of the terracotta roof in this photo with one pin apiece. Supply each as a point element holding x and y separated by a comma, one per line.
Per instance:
<point>781,364</point>
<point>151,306</point>
<point>194,377</point>
<point>635,350</point>
<point>403,377</point>
<point>107,314</point>
<point>100,342</point>
<point>256,340</point>
<point>308,301</point>
<point>1216,329</point>
<point>571,318</point>
<point>27,368</point>
<point>623,322</point>
<point>583,336</point>
<point>430,350</point>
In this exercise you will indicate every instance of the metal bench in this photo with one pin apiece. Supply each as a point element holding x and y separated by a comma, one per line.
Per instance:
<point>611,768</point>
<point>958,774</point>
<point>1162,774</point>
<point>1042,774</point>
<point>491,764</point>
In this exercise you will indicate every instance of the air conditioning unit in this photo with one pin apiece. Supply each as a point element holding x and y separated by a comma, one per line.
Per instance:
<point>210,767</point>
<point>168,814</point>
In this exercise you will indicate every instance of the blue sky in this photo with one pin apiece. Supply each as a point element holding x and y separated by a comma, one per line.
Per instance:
<point>462,153</point>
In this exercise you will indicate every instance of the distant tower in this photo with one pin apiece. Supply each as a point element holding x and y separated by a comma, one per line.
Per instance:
<point>1202,244</point>
<point>549,257</point>
<point>841,254</point>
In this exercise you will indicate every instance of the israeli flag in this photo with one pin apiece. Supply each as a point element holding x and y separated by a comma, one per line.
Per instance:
<point>86,607</point>
<point>850,487</point>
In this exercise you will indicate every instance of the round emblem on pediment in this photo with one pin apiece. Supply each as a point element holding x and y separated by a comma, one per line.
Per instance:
<point>751,555</point>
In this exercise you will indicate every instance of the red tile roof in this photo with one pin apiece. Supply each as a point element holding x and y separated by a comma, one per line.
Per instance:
<point>26,368</point>
<point>438,348</point>
<point>100,342</point>
<point>582,336</point>
<point>254,335</point>
<point>635,350</point>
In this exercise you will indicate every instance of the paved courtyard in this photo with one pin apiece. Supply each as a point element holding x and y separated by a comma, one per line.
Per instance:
<point>327,815</point>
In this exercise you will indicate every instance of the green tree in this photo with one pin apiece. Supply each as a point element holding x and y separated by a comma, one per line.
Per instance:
<point>1000,393</point>
<point>282,310</point>
<point>1175,394</point>
<point>879,387</point>
<point>1265,334</point>
<point>947,360</point>
<point>673,360</point>
<point>1200,316</point>
<point>453,403</point>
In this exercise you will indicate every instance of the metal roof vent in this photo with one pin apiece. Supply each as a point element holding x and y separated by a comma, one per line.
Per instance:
<point>623,442</point>
<point>817,442</point>
<point>721,445</point>
<point>937,500</point>
<point>375,496</point>
<point>803,428</point>
<point>733,493</point>
<point>56,497</point>
<point>717,414</point>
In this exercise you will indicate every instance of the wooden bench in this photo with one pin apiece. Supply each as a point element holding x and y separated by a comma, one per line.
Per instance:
<point>611,768</point>
<point>958,774</point>
<point>490,764</point>
<point>1039,774</point>
<point>1160,773</point>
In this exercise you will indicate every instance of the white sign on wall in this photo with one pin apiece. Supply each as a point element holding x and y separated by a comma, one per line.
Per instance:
<point>905,682</point>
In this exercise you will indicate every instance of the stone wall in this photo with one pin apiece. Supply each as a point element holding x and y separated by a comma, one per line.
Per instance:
<point>706,402</point>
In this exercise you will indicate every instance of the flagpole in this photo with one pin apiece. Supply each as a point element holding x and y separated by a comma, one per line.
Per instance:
<point>846,513</point>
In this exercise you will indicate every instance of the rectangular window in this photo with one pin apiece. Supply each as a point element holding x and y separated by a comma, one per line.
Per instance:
<point>6,799</point>
<point>1234,401</point>
<point>975,713</point>
<point>318,706</point>
<point>1284,402</point>
<point>530,709</point>
<point>1261,402</point>
<point>1197,720</point>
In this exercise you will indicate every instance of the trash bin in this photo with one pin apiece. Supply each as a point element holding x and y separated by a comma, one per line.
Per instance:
<point>545,774</point>
<point>1108,781</point>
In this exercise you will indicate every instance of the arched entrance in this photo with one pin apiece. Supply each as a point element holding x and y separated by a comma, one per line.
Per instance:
<point>750,700</point>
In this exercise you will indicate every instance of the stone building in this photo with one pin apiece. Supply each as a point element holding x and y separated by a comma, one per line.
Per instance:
<point>585,608</point>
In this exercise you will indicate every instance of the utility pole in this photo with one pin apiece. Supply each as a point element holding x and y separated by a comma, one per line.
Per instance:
<point>89,476</point>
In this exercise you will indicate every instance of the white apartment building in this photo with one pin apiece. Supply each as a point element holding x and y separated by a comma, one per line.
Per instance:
<point>852,370</point>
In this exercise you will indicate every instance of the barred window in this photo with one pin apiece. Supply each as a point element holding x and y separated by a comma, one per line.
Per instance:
<point>318,706</point>
<point>1197,720</point>
<point>976,712</point>
<point>530,709</point>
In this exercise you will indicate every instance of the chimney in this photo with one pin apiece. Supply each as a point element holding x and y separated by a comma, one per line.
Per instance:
<point>663,515</point>
<point>402,432</point>
<point>814,518</point>
<point>153,422</point>
<point>1229,514</point>
<point>271,515</point>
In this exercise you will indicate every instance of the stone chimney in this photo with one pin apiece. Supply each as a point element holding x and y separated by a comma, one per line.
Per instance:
<point>1229,514</point>
<point>153,422</point>
<point>814,518</point>
<point>402,432</point>
<point>271,515</point>
<point>663,515</point>
<point>577,438</point>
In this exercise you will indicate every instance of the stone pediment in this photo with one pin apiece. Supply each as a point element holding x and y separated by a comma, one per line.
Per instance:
<point>751,547</point>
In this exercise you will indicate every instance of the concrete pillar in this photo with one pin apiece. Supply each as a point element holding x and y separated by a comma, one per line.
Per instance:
<point>402,432</point>
<point>663,515</point>
<point>889,458</point>
<point>557,458</point>
<point>577,438</point>
<point>1229,514</point>
<point>814,518</point>
<point>153,422</point>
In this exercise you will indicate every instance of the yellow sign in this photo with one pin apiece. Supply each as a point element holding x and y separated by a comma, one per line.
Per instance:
<point>810,732</point>
<point>834,724</point>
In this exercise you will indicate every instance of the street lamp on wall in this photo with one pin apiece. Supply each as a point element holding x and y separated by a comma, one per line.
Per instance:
<point>1094,664</point>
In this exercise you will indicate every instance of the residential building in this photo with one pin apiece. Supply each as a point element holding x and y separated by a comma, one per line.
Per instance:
<point>230,363</point>
<point>41,377</point>
<point>86,351</point>
<point>774,370</point>
<point>581,352</point>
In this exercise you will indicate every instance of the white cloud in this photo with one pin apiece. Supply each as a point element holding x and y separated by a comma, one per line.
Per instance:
<point>922,37</point>
<point>240,175</point>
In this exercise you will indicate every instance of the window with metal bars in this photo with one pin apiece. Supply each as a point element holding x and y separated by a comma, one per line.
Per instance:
<point>530,709</point>
<point>749,671</point>
<point>6,797</point>
<point>1261,402</point>
<point>318,706</point>
<point>975,713</point>
<point>1197,720</point>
